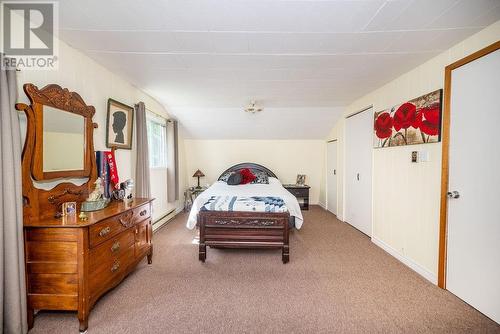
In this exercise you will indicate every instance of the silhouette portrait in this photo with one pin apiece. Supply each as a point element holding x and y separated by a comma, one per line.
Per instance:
<point>119,125</point>
<point>119,122</point>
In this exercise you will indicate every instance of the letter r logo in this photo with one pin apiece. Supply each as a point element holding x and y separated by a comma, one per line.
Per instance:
<point>28,28</point>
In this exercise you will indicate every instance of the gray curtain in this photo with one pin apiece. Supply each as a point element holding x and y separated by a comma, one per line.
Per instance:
<point>172,162</point>
<point>12,279</point>
<point>142,178</point>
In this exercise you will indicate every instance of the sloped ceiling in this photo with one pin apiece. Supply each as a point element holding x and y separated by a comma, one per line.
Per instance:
<point>301,60</point>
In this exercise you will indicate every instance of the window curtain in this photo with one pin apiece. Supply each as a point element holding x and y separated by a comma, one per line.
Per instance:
<point>172,162</point>
<point>12,280</point>
<point>142,178</point>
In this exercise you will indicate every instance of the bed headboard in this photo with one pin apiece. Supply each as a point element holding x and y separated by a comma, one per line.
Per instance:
<point>251,166</point>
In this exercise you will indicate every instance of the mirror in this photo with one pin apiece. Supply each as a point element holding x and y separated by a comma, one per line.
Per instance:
<point>63,140</point>
<point>58,161</point>
<point>59,134</point>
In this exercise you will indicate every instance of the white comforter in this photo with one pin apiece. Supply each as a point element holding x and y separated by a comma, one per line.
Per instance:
<point>274,188</point>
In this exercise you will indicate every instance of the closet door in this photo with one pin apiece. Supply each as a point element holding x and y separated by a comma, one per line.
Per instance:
<point>331,177</point>
<point>358,176</point>
<point>473,255</point>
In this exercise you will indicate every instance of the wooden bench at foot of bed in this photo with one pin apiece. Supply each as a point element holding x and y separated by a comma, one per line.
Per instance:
<point>236,229</point>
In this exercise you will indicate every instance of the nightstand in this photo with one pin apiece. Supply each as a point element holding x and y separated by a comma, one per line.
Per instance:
<point>190,195</point>
<point>300,191</point>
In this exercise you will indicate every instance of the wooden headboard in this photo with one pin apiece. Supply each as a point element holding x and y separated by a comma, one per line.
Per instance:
<point>249,165</point>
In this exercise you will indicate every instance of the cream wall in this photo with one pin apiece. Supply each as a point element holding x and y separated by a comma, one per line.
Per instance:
<point>286,158</point>
<point>96,84</point>
<point>406,196</point>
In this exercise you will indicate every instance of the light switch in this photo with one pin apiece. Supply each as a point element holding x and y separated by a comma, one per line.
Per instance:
<point>414,156</point>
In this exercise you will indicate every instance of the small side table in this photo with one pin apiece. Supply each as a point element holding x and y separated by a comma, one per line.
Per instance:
<point>190,195</point>
<point>300,191</point>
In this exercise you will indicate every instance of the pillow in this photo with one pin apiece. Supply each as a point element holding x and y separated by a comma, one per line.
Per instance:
<point>234,179</point>
<point>225,177</point>
<point>247,176</point>
<point>261,177</point>
<point>273,180</point>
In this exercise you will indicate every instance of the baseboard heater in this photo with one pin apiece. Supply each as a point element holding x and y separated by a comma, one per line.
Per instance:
<point>164,219</point>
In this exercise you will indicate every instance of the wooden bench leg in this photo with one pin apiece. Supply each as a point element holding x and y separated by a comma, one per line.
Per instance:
<point>203,252</point>
<point>285,254</point>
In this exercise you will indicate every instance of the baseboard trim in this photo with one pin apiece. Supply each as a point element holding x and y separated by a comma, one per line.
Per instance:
<point>323,205</point>
<point>406,261</point>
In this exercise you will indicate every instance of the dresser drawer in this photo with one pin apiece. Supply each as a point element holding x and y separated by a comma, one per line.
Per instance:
<point>110,250</point>
<point>110,227</point>
<point>299,192</point>
<point>108,273</point>
<point>141,213</point>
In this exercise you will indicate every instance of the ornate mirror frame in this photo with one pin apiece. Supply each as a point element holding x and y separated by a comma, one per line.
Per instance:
<point>40,203</point>
<point>57,97</point>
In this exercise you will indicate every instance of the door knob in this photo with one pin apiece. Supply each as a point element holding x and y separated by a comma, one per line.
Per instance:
<point>453,194</point>
<point>334,172</point>
<point>357,176</point>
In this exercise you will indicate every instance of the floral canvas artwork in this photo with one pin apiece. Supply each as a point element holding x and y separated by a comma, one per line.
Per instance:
<point>417,121</point>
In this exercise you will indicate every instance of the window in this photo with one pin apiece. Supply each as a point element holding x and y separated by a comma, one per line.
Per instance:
<point>157,141</point>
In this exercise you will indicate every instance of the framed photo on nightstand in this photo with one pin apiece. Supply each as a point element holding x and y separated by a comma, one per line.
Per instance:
<point>301,179</point>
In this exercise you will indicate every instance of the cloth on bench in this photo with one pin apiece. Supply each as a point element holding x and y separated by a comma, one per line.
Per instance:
<point>240,203</point>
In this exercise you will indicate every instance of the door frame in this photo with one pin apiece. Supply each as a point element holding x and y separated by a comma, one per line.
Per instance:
<point>336,141</point>
<point>443,219</point>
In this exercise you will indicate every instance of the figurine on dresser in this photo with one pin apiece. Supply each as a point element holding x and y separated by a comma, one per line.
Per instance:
<point>72,260</point>
<point>96,200</point>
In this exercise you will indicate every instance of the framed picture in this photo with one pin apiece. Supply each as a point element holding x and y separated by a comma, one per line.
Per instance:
<point>301,179</point>
<point>68,208</point>
<point>119,125</point>
<point>417,121</point>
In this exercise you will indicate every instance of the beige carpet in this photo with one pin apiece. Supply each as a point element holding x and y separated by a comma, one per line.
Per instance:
<point>337,281</point>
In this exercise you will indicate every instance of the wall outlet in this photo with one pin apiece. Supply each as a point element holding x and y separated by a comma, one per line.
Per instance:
<point>419,156</point>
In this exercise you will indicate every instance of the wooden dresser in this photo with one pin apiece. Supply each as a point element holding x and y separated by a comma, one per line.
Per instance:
<point>71,262</point>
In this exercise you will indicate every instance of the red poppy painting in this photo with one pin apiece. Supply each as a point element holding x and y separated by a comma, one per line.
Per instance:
<point>417,121</point>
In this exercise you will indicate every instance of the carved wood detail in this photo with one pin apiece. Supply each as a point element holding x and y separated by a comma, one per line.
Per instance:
<point>126,219</point>
<point>61,98</point>
<point>54,199</point>
<point>249,222</point>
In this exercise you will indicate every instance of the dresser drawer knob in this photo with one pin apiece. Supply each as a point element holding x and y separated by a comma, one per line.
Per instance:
<point>143,212</point>
<point>115,266</point>
<point>104,231</point>
<point>115,247</point>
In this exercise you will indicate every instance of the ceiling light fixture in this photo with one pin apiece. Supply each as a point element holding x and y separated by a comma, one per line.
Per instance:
<point>253,108</point>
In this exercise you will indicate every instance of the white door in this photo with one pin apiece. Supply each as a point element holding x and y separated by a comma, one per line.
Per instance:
<point>358,176</point>
<point>331,177</point>
<point>473,253</point>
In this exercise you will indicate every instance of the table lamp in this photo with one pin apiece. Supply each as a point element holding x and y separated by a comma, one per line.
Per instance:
<point>198,174</point>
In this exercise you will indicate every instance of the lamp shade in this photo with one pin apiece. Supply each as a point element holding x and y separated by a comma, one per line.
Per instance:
<point>198,173</point>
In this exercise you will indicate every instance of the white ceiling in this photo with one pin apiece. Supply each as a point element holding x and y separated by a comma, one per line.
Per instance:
<point>301,60</point>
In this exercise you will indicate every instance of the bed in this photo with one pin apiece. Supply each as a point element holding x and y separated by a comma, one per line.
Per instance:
<point>245,229</point>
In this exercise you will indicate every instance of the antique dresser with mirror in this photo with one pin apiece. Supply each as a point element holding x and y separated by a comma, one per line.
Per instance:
<point>70,261</point>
